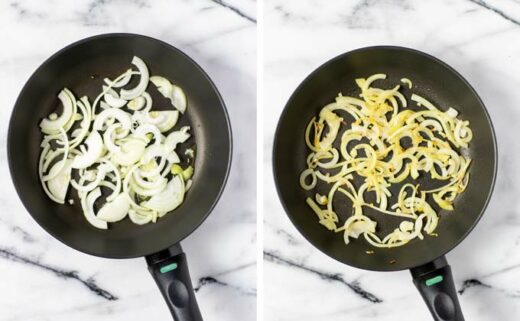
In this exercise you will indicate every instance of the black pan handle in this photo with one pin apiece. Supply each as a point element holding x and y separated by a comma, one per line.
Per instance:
<point>435,283</point>
<point>170,271</point>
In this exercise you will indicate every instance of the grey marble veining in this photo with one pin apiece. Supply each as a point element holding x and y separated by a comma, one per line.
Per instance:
<point>41,278</point>
<point>480,40</point>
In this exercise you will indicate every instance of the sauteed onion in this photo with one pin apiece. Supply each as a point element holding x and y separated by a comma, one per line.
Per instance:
<point>361,148</point>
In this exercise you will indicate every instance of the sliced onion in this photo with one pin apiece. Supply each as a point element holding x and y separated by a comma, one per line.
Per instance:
<point>148,102</point>
<point>149,191</point>
<point>121,116</point>
<point>87,203</point>
<point>145,129</point>
<point>371,150</point>
<point>152,118</point>
<point>136,103</point>
<point>164,86</point>
<point>188,184</point>
<point>57,169</point>
<point>143,82</point>
<point>178,99</point>
<point>45,151</point>
<point>116,177</point>
<point>141,217</point>
<point>108,139</point>
<point>170,198</point>
<point>169,120</point>
<point>129,153</point>
<point>124,79</point>
<point>135,172</point>
<point>94,152</point>
<point>100,175</point>
<point>177,137</point>
<point>59,185</point>
<point>170,91</point>
<point>69,109</point>
<point>112,99</point>
<point>116,210</point>
<point>84,106</point>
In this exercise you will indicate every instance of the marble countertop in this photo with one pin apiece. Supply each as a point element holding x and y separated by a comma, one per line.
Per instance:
<point>480,40</point>
<point>42,279</point>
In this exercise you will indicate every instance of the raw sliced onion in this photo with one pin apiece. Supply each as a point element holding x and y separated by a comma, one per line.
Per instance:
<point>170,118</point>
<point>141,217</point>
<point>100,175</point>
<point>124,79</point>
<point>116,210</point>
<point>121,116</point>
<point>57,169</point>
<point>145,129</point>
<point>129,153</point>
<point>170,198</point>
<point>69,109</point>
<point>136,103</point>
<point>87,203</point>
<point>177,137</point>
<point>170,91</point>
<point>59,185</point>
<point>112,99</point>
<point>143,82</point>
<point>178,99</point>
<point>94,152</point>
<point>122,150</point>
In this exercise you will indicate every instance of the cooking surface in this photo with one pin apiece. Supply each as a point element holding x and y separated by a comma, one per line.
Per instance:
<point>292,152</point>
<point>221,253</point>
<point>486,264</point>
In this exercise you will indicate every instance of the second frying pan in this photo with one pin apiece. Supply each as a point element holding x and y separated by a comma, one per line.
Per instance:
<point>440,84</point>
<point>81,67</point>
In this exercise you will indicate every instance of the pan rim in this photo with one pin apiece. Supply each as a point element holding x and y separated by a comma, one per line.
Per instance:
<point>72,45</point>
<point>340,57</point>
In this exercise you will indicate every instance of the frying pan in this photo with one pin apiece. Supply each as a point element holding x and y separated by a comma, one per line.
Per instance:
<point>81,67</point>
<point>438,83</point>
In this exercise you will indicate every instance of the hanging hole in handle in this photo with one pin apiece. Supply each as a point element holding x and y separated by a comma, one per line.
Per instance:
<point>444,306</point>
<point>178,294</point>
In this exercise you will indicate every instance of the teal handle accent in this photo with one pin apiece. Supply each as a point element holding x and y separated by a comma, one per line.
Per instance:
<point>168,268</point>
<point>434,280</point>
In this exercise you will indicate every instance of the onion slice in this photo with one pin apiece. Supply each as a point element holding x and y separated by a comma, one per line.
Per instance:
<point>95,148</point>
<point>122,152</point>
<point>124,79</point>
<point>116,210</point>
<point>379,147</point>
<point>170,91</point>
<point>69,109</point>
<point>170,198</point>
<point>121,116</point>
<point>177,137</point>
<point>143,82</point>
<point>87,204</point>
<point>112,99</point>
<point>59,185</point>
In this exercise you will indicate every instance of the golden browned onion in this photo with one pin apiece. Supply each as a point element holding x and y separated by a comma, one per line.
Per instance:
<point>369,146</point>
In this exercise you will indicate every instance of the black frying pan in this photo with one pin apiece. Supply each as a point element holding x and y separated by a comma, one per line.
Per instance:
<point>443,86</point>
<point>108,56</point>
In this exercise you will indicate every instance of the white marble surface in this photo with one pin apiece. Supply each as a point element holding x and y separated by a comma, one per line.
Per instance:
<point>39,276</point>
<point>482,44</point>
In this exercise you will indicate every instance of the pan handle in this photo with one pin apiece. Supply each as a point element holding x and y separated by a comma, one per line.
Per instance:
<point>170,271</point>
<point>435,283</point>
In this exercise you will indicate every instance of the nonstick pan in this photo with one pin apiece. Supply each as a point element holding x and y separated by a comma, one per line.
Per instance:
<point>81,67</point>
<point>443,86</point>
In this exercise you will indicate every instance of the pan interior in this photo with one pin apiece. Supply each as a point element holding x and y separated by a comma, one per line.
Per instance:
<point>431,79</point>
<point>81,67</point>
